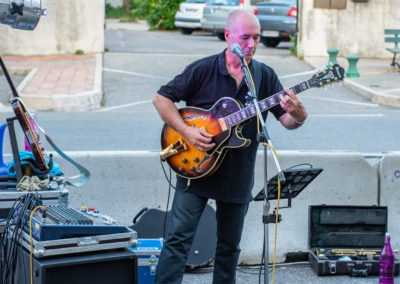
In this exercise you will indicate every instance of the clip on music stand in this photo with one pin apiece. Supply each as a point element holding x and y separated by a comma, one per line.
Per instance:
<point>296,181</point>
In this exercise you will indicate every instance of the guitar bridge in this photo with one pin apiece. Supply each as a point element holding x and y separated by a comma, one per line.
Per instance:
<point>173,149</point>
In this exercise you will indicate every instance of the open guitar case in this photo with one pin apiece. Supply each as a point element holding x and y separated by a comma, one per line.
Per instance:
<point>149,224</point>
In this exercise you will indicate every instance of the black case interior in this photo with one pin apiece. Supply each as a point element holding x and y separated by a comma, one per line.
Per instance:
<point>347,239</point>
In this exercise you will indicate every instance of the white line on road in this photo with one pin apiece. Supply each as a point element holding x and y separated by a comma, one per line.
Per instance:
<point>349,115</point>
<point>343,101</point>
<point>122,106</point>
<point>134,73</point>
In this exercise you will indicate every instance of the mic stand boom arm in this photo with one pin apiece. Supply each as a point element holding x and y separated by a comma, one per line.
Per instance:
<point>264,138</point>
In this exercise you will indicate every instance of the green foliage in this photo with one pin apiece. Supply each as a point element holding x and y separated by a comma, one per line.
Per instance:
<point>114,13</point>
<point>159,14</point>
<point>79,51</point>
<point>293,49</point>
<point>120,13</point>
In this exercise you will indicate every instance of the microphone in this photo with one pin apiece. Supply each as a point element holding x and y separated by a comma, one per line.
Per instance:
<point>235,48</point>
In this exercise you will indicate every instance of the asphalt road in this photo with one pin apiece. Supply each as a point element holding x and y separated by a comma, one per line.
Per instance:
<point>140,62</point>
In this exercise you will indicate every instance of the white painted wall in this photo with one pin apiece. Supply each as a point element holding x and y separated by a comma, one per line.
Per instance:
<point>69,26</point>
<point>356,30</point>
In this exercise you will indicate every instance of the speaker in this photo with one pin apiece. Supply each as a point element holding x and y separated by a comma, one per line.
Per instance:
<point>113,266</point>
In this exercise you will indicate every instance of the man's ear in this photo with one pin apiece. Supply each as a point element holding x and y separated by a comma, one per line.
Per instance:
<point>227,34</point>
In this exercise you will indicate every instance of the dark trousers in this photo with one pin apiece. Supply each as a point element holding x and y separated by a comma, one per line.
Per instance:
<point>186,212</point>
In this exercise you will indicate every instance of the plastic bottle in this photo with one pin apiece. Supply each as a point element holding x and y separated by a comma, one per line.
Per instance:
<point>386,263</point>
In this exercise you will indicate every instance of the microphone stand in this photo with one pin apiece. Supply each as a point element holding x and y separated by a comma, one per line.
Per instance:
<point>262,137</point>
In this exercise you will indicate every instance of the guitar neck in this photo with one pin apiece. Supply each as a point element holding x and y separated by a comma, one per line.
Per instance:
<point>246,113</point>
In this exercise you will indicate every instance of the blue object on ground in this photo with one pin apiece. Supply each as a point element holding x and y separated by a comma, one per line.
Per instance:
<point>25,157</point>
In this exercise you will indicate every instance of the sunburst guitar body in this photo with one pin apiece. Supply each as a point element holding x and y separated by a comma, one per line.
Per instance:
<point>188,161</point>
<point>224,121</point>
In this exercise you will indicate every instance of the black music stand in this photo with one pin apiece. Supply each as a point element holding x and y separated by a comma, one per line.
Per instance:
<point>296,181</point>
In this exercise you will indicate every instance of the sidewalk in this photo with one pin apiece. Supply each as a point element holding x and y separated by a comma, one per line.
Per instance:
<point>59,82</point>
<point>378,82</point>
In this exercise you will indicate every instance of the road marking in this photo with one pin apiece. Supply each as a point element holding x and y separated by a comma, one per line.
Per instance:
<point>122,106</point>
<point>349,115</point>
<point>296,74</point>
<point>344,102</point>
<point>134,73</point>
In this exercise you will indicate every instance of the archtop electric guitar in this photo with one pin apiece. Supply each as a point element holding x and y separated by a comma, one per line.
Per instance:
<point>224,121</point>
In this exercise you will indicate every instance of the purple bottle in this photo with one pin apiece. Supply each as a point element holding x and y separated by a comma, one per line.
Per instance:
<point>386,263</point>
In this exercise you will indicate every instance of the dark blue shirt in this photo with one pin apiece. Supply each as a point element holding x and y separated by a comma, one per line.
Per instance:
<point>201,84</point>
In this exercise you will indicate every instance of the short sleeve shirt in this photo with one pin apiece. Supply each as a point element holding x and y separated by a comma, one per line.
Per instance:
<point>202,84</point>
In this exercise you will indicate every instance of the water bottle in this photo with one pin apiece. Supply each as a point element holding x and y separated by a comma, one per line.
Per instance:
<point>386,263</point>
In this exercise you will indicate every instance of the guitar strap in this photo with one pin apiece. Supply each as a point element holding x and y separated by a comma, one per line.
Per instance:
<point>84,173</point>
<point>256,73</point>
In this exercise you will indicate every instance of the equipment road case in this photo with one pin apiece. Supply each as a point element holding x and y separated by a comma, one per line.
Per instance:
<point>148,251</point>
<point>347,240</point>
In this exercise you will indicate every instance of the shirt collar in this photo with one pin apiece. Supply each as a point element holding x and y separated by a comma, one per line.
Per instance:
<point>222,63</point>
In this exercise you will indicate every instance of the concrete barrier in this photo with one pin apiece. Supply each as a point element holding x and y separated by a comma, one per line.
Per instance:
<point>124,182</point>
<point>389,187</point>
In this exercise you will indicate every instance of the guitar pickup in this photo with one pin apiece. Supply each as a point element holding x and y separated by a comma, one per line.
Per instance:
<point>173,149</point>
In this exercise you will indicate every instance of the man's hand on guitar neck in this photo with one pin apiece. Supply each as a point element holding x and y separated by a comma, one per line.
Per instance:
<point>295,114</point>
<point>199,138</point>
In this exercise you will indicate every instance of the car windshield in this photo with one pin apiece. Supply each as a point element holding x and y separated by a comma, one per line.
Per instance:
<point>223,2</point>
<point>195,1</point>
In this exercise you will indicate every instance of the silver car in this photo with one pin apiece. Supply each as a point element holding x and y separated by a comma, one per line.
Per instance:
<point>278,20</point>
<point>188,16</point>
<point>216,13</point>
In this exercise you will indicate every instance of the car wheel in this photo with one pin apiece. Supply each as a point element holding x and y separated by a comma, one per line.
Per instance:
<point>221,36</point>
<point>186,31</point>
<point>270,42</point>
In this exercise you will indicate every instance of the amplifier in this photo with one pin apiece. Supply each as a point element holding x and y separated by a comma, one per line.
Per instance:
<point>113,266</point>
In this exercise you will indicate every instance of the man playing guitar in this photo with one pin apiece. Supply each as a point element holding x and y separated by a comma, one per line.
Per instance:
<point>201,84</point>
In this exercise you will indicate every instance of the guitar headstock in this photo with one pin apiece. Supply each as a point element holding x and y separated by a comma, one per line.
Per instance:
<point>331,74</point>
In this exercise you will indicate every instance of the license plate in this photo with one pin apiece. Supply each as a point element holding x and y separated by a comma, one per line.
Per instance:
<point>191,10</point>
<point>270,33</point>
<point>219,11</point>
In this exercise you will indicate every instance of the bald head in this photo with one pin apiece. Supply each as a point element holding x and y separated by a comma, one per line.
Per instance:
<point>243,28</point>
<point>237,17</point>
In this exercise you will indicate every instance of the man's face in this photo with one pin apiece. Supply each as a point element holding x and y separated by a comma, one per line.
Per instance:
<point>245,32</point>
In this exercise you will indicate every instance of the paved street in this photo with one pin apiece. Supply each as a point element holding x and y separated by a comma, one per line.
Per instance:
<point>139,62</point>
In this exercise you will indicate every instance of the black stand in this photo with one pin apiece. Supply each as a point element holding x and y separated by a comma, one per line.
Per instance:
<point>264,138</point>
<point>296,181</point>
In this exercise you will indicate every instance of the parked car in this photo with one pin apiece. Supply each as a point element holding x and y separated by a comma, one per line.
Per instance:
<point>278,20</point>
<point>216,13</point>
<point>188,16</point>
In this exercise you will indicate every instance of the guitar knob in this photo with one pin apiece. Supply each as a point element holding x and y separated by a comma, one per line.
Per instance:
<point>184,160</point>
<point>180,169</point>
<point>192,168</point>
<point>336,78</point>
<point>196,160</point>
<point>328,81</point>
<point>324,72</point>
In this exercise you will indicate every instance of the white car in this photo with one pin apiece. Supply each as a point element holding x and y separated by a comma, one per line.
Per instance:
<point>188,16</point>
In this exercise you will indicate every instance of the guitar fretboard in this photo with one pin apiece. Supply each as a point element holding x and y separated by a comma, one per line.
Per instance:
<point>248,112</point>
